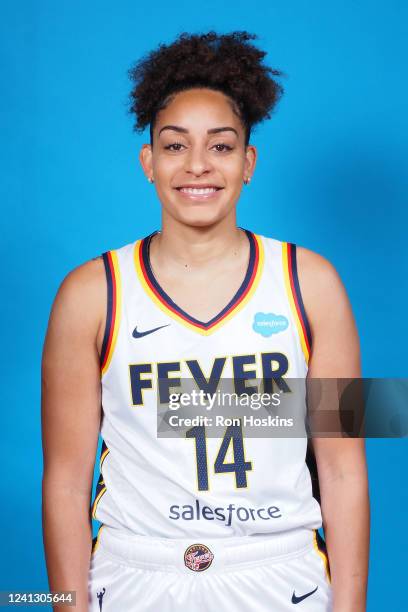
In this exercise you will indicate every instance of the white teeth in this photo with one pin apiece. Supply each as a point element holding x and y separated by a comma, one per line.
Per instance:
<point>196,191</point>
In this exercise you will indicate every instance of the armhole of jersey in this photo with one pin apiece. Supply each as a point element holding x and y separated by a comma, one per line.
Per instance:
<point>321,549</point>
<point>113,311</point>
<point>95,540</point>
<point>295,297</point>
<point>101,486</point>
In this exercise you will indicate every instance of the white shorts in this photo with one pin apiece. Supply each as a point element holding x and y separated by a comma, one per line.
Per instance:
<point>274,573</point>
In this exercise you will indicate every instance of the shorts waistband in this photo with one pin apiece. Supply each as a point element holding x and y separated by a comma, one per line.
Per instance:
<point>197,554</point>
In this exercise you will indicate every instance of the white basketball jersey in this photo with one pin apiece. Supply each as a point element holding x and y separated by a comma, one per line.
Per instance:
<point>196,486</point>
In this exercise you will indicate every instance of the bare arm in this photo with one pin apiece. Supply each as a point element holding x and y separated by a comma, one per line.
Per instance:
<point>340,461</point>
<point>70,424</point>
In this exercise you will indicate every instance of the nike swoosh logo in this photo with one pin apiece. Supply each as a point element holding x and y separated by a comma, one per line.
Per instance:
<point>296,600</point>
<point>137,334</point>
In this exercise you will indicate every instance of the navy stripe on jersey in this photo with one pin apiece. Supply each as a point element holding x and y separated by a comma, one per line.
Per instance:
<point>109,310</point>
<point>298,292</point>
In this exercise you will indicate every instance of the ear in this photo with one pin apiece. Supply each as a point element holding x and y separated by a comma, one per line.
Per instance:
<point>146,160</point>
<point>251,155</point>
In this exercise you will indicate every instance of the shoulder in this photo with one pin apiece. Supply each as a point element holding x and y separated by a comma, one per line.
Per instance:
<point>87,279</point>
<point>322,289</point>
<point>81,298</point>
<point>316,271</point>
<point>87,283</point>
<point>335,341</point>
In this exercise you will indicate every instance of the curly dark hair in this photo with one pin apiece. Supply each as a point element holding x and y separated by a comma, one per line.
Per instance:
<point>228,63</point>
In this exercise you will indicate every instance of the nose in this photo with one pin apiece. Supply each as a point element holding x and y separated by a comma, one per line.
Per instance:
<point>197,161</point>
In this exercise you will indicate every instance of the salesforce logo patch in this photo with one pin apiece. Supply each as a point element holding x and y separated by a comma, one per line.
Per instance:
<point>269,323</point>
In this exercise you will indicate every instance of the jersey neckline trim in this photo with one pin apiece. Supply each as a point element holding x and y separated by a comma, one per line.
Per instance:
<point>165,303</point>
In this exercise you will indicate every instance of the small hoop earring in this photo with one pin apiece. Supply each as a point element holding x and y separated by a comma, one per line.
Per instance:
<point>151,179</point>
<point>247,180</point>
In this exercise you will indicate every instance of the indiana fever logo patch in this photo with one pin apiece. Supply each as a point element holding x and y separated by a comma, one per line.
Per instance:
<point>198,557</point>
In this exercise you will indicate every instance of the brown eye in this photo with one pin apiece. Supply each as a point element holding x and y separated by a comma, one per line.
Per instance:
<point>177,146</point>
<point>224,147</point>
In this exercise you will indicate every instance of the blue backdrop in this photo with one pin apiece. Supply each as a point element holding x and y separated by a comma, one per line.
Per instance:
<point>330,177</point>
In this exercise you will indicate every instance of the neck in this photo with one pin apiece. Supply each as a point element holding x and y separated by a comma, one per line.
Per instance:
<point>181,246</point>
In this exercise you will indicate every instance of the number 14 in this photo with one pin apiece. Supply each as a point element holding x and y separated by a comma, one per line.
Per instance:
<point>239,466</point>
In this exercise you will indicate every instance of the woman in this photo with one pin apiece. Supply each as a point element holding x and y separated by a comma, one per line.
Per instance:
<point>227,523</point>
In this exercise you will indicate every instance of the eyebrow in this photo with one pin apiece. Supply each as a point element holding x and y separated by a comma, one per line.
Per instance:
<point>181,130</point>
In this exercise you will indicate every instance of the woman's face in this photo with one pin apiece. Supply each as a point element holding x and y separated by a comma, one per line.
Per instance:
<point>199,160</point>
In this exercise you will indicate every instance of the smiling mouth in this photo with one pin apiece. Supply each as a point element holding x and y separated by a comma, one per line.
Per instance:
<point>194,194</point>
<point>198,190</point>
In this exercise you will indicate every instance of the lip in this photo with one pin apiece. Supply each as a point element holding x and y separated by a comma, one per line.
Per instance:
<point>198,185</point>
<point>199,196</point>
